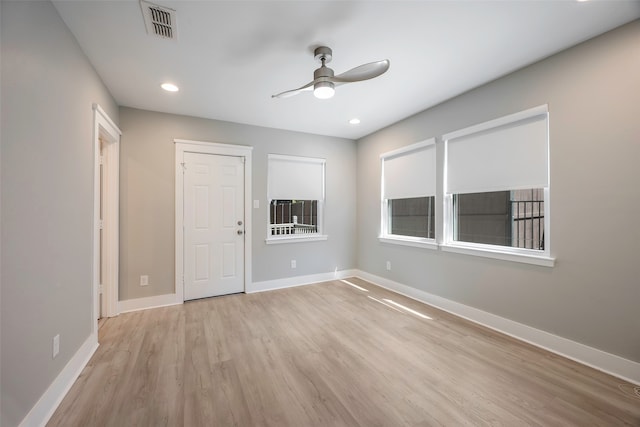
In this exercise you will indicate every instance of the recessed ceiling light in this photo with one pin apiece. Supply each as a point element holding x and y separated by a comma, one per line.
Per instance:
<point>354,121</point>
<point>169,87</point>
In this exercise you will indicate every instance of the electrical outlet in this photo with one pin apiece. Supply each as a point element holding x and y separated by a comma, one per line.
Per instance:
<point>56,345</point>
<point>144,280</point>
<point>389,265</point>
<point>293,263</point>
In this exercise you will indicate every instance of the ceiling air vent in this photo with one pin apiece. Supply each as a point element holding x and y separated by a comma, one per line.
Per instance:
<point>160,21</point>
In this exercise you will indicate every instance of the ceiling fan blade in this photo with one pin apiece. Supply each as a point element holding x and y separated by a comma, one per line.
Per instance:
<point>363,72</point>
<point>288,93</point>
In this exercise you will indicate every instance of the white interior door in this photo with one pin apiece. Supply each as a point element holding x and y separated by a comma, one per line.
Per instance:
<point>213,225</point>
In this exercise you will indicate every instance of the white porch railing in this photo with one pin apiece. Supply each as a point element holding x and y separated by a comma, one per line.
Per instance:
<point>292,228</point>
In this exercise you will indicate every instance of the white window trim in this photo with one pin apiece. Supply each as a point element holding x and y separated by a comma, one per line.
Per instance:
<point>276,240</point>
<point>525,256</point>
<point>528,256</point>
<point>292,238</point>
<point>501,121</point>
<point>406,149</point>
<point>397,239</point>
<point>416,242</point>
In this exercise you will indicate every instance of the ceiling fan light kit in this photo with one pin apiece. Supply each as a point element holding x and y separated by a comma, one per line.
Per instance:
<point>323,90</point>
<point>324,81</point>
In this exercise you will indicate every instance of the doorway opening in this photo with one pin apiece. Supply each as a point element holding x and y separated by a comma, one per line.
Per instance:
<point>106,220</point>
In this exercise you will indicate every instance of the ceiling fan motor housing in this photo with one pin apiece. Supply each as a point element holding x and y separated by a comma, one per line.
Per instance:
<point>322,72</point>
<point>323,53</point>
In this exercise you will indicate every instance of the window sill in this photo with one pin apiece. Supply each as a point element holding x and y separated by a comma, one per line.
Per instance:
<point>276,240</point>
<point>504,255</point>
<point>416,242</point>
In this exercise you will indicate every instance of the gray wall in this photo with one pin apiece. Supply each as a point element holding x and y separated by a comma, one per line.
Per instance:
<point>147,198</point>
<point>46,168</point>
<point>592,294</point>
<point>48,87</point>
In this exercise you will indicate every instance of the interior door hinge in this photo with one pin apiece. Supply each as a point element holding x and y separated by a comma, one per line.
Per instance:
<point>101,160</point>
<point>101,224</point>
<point>244,159</point>
<point>100,289</point>
<point>184,166</point>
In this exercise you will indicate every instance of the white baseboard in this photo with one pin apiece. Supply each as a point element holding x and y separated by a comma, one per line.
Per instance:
<point>617,366</point>
<point>289,282</point>
<point>148,302</point>
<point>42,411</point>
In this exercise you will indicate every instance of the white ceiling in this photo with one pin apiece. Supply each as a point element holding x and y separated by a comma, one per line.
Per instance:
<point>231,56</point>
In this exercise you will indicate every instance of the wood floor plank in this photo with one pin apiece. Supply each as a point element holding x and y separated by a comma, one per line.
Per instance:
<point>331,354</point>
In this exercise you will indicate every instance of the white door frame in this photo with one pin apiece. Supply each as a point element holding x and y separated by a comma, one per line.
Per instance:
<point>106,129</point>
<point>182,146</point>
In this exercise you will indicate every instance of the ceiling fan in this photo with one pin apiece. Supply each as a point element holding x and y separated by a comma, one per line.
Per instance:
<point>324,82</point>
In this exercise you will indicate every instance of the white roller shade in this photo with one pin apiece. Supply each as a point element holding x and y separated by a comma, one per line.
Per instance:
<point>292,177</point>
<point>410,172</point>
<point>506,154</point>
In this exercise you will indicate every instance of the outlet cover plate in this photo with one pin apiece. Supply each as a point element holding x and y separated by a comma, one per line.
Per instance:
<point>56,345</point>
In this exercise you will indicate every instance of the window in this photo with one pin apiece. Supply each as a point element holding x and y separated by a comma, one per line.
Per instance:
<point>293,217</point>
<point>295,189</point>
<point>412,217</point>
<point>408,195</point>
<point>527,213</point>
<point>496,188</point>
<point>503,218</point>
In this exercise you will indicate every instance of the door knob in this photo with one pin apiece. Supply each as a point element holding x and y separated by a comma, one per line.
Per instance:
<point>240,232</point>
<point>239,222</point>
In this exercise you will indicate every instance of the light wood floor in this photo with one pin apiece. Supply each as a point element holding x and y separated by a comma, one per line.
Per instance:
<point>329,355</point>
